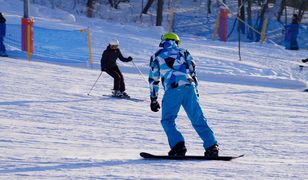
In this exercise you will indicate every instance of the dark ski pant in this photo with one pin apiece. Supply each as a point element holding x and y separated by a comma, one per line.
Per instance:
<point>185,96</point>
<point>118,79</point>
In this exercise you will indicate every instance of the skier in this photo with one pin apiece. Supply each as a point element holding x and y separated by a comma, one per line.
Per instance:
<point>176,68</point>
<point>2,34</point>
<point>109,65</point>
<point>291,33</point>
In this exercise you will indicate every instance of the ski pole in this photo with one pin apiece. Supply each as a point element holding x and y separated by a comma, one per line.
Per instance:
<point>95,83</point>
<point>140,72</point>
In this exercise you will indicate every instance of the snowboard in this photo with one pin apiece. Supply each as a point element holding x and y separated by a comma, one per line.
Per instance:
<point>187,157</point>
<point>125,98</point>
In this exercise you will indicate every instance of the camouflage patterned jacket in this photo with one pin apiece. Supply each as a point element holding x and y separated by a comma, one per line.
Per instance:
<point>173,65</point>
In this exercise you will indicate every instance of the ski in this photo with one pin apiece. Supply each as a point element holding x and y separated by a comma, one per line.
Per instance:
<point>125,98</point>
<point>187,157</point>
<point>301,67</point>
<point>303,64</point>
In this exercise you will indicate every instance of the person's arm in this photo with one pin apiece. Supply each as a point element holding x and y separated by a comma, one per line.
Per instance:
<point>104,57</point>
<point>154,77</point>
<point>191,67</point>
<point>123,58</point>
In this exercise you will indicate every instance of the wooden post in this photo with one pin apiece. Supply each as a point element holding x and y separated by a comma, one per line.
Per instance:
<point>89,45</point>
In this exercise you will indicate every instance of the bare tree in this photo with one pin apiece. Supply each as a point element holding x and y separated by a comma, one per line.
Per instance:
<point>249,19</point>
<point>264,8</point>
<point>281,8</point>
<point>159,10</point>
<point>90,8</point>
<point>147,6</point>
<point>241,12</point>
<point>301,9</point>
<point>209,2</point>
<point>115,3</point>
<point>159,14</point>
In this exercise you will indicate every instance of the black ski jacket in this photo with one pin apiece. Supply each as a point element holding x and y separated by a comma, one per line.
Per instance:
<point>110,56</point>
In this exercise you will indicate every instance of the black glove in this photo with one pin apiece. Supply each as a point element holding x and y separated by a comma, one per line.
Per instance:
<point>154,105</point>
<point>129,58</point>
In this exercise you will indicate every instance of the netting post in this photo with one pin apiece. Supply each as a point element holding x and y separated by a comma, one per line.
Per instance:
<point>27,35</point>
<point>223,24</point>
<point>171,22</point>
<point>89,45</point>
<point>29,41</point>
<point>263,30</point>
<point>215,28</point>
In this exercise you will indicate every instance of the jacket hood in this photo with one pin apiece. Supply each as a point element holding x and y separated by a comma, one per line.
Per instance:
<point>168,44</point>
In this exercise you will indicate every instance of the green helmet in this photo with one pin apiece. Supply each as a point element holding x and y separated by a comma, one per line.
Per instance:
<point>171,36</point>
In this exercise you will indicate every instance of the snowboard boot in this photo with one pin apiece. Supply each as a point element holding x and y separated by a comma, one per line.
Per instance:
<point>179,150</point>
<point>212,151</point>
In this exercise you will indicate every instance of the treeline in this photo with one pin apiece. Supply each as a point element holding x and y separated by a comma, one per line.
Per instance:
<point>273,9</point>
<point>245,8</point>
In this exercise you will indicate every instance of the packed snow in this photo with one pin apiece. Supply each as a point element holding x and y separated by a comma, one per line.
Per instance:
<point>51,129</point>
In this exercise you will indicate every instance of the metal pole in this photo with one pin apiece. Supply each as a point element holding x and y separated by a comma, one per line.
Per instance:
<point>95,83</point>
<point>140,72</point>
<point>239,39</point>
<point>89,45</point>
<point>26,8</point>
<point>239,29</point>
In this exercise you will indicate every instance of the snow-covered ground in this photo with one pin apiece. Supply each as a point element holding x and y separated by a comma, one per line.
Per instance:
<point>51,129</point>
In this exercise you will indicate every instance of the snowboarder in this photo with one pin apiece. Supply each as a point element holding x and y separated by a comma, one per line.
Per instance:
<point>109,65</point>
<point>2,34</point>
<point>176,68</point>
<point>291,34</point>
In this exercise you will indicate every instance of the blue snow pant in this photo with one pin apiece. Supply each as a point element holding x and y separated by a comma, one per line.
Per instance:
<point>171,103</point>
<point>2,47</point>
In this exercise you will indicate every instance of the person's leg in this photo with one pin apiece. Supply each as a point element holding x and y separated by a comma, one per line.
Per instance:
<point>293,42</point>
<point>2,47</point>
<point>195,114</point>
<point>121,79</point>
<point>171,104</point>
<point>116,78</point>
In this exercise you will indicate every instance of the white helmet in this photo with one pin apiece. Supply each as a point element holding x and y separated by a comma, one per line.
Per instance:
<point>114,42</point>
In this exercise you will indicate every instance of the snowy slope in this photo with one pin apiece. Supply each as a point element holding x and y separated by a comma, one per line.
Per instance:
<point>51,129</point>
